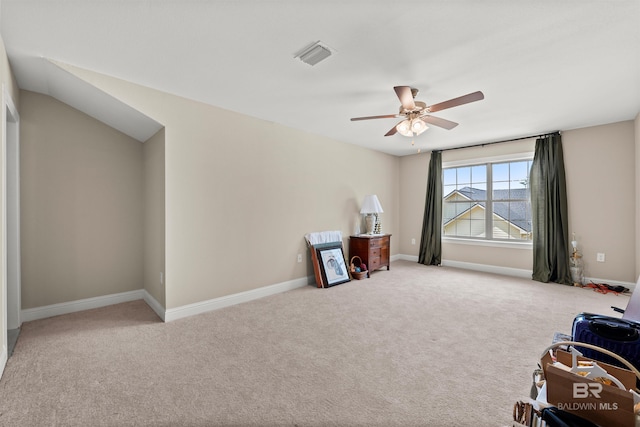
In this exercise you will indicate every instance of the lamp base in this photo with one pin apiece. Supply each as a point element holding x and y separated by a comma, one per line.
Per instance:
<point>369,222</point>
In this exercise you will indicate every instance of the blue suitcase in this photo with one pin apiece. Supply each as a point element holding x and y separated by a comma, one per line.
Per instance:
<point>619,336</point>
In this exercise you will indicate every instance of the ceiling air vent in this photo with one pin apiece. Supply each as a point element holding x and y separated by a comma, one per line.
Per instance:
<point>314,53</point>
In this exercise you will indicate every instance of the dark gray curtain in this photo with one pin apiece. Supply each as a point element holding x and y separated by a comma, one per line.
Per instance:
<point>549,212</point>
<point>431,240</point>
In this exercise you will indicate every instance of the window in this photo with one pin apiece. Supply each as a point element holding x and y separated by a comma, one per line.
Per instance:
<point>487,201</point>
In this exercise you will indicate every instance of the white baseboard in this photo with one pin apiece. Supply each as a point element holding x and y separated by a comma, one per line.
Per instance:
<point>506,271</point>
<point>229,300</point>
<point>166,315</point>
<point>154,304</point>
<point>413,258</point>
<point>30,314</point>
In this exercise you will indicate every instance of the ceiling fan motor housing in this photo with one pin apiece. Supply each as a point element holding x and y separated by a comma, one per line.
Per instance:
<point>420,106</point>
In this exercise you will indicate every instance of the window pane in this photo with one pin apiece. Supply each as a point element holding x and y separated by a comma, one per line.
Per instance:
<point>462,208</point>
<point>448,212</point>
<point>519,192</point>
<point>451,210</point>
<point>500,172</point>
<point>449,177</point>
<point>518,211</point>
<point>464,176</point>
<point>463,227</point>
<point>481,186</point>
<point>500,190</point>
<point>500,217</point>
<point>519,171</point>
<point>478,227</point>
<point>478,175</point>
<point>517,235</point>
<point>520,187</point>
<point>447,190</point>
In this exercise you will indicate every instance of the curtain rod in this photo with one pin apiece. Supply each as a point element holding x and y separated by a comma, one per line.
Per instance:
<point>506,140</point>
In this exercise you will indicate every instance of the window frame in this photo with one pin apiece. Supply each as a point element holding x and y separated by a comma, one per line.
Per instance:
<point>488,161</point>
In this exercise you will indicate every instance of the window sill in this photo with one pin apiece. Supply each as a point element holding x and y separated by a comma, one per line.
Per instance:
<point>490,243</point>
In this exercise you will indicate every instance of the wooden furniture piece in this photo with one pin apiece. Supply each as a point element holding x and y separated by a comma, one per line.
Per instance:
<point>373,249</point>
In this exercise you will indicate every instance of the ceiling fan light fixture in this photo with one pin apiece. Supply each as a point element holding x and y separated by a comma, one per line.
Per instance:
<point>411,127</point>
<point>418,126</point>
<point>404,128</point>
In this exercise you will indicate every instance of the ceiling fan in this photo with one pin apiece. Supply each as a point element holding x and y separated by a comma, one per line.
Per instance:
<point>416,114</point>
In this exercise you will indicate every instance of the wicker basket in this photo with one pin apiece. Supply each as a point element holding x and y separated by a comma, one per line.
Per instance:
<point>357,262</point>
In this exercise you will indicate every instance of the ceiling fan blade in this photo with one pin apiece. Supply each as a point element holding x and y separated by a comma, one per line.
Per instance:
<point>437,121</point>
<point>465,99</point>
<point>392,131</point>
<point>405,96</point>
<point>388,116</point>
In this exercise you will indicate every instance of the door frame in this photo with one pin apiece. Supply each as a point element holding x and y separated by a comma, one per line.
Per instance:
<point>11,276</point>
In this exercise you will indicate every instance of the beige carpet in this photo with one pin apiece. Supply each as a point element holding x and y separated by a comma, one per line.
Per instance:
<point>413,346</point>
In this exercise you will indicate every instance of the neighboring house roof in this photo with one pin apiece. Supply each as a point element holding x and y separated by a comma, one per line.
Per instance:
<point>514,209</point>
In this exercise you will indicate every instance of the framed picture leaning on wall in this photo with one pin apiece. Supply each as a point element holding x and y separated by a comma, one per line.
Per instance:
<point>332,264</point>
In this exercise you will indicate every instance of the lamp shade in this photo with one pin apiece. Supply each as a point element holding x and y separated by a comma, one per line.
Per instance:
<point>418,126</point>
<point>371,204</point>
<point>404,128</point>
<point>413,127</point>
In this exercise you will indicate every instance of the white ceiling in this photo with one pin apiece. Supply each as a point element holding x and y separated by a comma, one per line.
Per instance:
<point>543,65</point>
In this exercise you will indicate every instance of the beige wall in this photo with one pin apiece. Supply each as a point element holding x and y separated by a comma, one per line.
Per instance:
<point>81,216</point>
<point>600,164</point>
<point>242,192</point>
<point>601,173</point>
<point>153,215</point>
<point>413,191</point>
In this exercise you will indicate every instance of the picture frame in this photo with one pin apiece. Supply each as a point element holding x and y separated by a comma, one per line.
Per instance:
<point>333,267</point>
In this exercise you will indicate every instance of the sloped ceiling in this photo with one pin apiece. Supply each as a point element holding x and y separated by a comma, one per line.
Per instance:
<point>83,96</point>
<point>543,65</point>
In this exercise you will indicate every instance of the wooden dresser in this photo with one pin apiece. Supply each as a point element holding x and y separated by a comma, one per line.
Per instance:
<point>373,249</point>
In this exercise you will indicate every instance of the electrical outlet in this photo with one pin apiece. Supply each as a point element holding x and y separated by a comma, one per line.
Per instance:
<point>600,257</point>
<point>299,257</point>
<point>413,241</point>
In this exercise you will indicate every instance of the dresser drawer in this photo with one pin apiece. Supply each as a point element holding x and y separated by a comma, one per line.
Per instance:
<point>374,263</point>
<point>376,243</point>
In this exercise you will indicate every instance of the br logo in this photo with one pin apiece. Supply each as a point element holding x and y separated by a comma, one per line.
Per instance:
<point>584,390</point>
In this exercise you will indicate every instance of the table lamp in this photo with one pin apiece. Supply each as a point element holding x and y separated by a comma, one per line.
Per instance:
<point>371,208</point>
